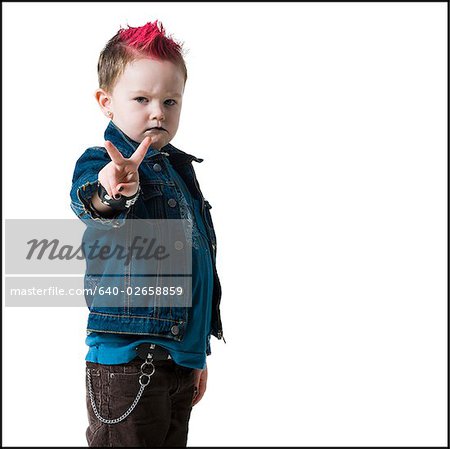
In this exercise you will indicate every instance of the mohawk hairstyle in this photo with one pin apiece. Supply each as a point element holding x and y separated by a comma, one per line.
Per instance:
<point>130,44</point>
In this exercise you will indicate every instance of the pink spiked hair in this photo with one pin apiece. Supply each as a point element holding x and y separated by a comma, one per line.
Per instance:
<point>127,45</point>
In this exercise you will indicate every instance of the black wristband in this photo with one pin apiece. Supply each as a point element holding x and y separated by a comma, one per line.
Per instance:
<point>123,203</point>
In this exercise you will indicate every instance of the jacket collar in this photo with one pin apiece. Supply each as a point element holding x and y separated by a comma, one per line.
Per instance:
<point>127,147</point>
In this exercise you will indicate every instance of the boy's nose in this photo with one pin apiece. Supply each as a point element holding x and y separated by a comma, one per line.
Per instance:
<point>157,116</point>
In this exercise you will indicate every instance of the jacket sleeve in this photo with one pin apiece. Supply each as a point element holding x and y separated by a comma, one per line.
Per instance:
<point>84,185</point>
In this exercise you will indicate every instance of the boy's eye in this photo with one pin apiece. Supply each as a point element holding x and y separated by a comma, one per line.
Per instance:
<point>142,99</point>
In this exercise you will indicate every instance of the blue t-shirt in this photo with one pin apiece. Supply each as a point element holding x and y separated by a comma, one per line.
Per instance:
<point>111,349</point>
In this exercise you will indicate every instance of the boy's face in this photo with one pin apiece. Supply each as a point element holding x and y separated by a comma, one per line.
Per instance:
<point>148,94</point>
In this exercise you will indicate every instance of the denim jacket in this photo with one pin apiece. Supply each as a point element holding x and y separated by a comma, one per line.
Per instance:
<point>155,201</point>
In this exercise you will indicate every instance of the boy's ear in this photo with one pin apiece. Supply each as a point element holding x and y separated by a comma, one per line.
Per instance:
<point>103,99</point>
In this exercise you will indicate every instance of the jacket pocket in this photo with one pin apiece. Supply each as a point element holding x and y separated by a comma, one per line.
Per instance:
<point>152,198</point>
<point>150,191</point>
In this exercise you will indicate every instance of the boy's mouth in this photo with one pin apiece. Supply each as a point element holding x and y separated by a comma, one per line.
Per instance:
<point>155,129</point>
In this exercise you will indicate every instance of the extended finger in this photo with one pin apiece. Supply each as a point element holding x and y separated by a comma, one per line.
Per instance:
<point>141,150</point>
<point>114,153</point>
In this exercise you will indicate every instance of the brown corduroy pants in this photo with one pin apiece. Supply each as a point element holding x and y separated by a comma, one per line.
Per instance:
<point>161,416</point>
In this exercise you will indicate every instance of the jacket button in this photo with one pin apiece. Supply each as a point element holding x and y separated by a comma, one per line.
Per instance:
<point>172,202</point>
<point>175,330</point>
<point>178,245</point>
<point>157,167</point>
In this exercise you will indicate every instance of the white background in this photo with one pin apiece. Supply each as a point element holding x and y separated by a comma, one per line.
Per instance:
<point>323,128</point>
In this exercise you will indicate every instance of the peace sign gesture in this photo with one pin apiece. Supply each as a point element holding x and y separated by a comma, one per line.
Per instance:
<point>121,176</point>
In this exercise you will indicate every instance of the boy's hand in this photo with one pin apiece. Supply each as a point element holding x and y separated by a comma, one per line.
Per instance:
<point>201,377</point>
<point>121,176</point>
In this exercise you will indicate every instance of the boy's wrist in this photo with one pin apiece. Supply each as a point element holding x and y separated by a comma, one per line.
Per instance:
<point>121,204</point>
<point>98,209</point>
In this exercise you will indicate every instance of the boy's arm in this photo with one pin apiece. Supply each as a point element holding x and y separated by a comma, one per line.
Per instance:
<point>84,199</point>
<point>108,166</point>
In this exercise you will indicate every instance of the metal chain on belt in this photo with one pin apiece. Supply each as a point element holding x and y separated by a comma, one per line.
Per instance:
<point>144,376</point>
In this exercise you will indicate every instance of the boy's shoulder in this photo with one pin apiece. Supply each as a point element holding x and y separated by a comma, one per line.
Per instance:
<point>93,150</point>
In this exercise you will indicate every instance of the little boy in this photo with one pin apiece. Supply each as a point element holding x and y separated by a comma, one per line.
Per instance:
<point>146,366</point>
